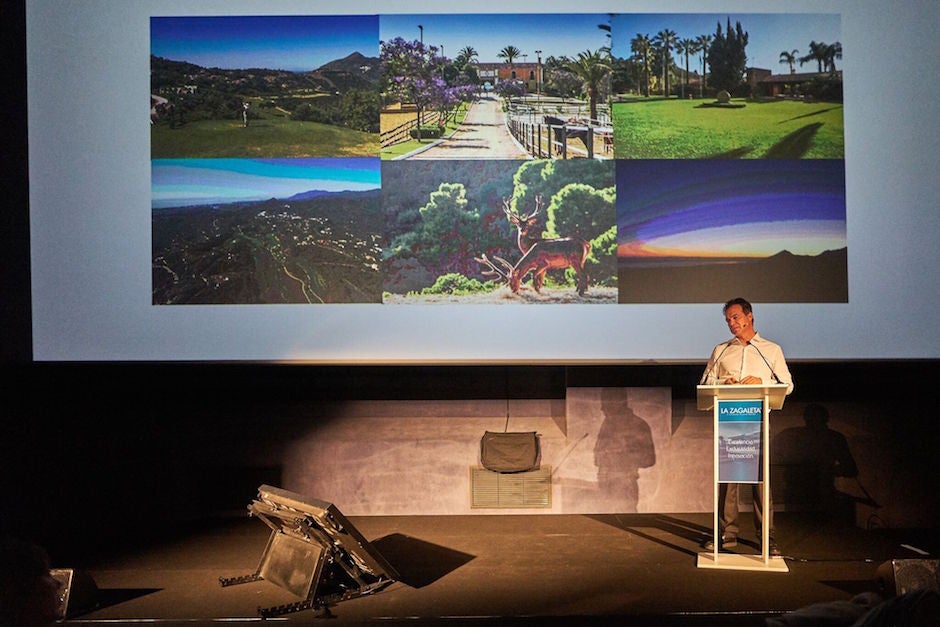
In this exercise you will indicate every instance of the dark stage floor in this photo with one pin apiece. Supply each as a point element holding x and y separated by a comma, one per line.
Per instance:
<point>637,569</point>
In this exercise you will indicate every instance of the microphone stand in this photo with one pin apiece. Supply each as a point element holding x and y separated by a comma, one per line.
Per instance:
<point>708,371</point>
<point>767,363</point>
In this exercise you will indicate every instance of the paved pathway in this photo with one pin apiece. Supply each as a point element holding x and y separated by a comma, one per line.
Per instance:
<point>483,135</point>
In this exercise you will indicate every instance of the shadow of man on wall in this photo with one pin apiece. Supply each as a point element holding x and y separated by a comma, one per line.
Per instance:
<point>808,460</point>
<point>624,445</point>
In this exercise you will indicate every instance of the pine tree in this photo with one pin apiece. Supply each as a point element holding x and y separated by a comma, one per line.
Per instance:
<point>727,59</point>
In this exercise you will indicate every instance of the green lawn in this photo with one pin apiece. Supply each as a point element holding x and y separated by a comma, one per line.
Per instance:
<point>268,137</point>
<point>684,129</point>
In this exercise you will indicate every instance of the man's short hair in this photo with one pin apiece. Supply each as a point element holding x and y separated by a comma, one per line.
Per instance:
<point>745,306</point>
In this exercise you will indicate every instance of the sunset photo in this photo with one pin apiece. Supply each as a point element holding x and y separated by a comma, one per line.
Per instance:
<point>696,231</point>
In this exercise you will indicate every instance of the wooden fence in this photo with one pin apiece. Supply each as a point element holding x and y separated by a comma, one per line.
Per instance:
<point>563,141</point>
<point>402,132</point>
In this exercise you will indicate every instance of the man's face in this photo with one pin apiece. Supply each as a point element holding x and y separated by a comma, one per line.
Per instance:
<point>740,324</point>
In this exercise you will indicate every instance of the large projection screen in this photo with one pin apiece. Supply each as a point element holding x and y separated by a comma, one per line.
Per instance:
<point>92,205</point>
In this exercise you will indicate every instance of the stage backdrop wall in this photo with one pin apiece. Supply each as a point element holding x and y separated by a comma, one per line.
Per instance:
<point>610,450</point>
<point>157,447</point>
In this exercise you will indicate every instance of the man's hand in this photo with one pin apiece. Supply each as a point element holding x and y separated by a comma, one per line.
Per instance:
<point>748,380</point>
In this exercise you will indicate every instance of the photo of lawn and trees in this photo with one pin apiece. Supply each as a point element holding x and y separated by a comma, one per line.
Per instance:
<point>264,86</point>
<point>753,86</point>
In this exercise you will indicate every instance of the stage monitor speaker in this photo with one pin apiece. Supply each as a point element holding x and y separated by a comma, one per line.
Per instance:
<point>903,576</point>
<point>314,552</point>
<point>513,451</point>
<point>78,592</point>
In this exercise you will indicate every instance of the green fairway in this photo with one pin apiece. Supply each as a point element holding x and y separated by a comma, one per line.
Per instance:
<point>269,137</point>
<point>684,129</point>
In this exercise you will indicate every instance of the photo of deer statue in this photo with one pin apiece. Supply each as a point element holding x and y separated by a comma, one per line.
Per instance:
<point>539,255</point>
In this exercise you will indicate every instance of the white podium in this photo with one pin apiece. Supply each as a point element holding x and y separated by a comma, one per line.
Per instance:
<point>741,414</point>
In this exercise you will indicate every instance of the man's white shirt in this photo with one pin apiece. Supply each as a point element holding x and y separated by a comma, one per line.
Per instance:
<point>759,358</point>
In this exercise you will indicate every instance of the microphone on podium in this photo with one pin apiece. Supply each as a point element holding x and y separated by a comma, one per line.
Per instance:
<point>717,359</point>
<point>769,367</point>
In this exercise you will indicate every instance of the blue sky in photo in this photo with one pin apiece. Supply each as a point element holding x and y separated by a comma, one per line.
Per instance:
<point>189,182</point>
<point>293,43</point>
<point>769,34</point>
<point>730,208</point>
<point>303,43</point>
<point>555,34</point>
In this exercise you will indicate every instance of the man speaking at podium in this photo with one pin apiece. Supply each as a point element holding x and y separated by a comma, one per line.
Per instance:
<point>747,358</point>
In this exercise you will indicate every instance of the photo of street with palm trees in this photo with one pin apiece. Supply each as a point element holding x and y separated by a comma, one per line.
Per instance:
<point>716,86</point>
<point>500,86</point>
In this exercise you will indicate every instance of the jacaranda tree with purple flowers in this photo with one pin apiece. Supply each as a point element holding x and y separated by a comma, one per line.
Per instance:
<point>414,74</point>
<point>453,96</point>
<point>509,89</point>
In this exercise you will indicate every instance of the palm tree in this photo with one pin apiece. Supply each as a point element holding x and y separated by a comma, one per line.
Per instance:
<point>830,54</point>
<point>703,41</point>
<point>466,72</point>
<point>468,54</point>
<point>510,53</point>
<point>592,69</point>
<point>642,49</point>
<point>665,39</point>
<point>817,53</point>
<point>686,46</point>
<point>789,58</point>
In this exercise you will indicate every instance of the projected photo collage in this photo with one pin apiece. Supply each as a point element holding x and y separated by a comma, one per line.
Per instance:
<point>497,159</point>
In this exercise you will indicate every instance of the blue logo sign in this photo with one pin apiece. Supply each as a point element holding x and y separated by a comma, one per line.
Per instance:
<point>737,411</point>
<point>740,441</point>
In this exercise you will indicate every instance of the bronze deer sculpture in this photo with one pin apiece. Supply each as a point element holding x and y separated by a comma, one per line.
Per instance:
<point>539,255</point>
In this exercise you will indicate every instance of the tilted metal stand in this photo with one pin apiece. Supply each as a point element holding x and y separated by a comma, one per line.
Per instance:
<point>313,552</point>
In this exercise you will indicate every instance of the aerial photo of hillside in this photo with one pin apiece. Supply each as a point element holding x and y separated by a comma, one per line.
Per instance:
<point>265,232</point>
